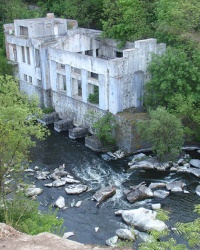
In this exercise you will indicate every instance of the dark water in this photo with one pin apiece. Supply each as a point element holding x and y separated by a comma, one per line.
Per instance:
<point>92,170</point>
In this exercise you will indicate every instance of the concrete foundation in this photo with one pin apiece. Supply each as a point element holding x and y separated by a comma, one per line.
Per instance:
<point>78,132</point>
<point>48,119</point>
<point>63,125</point>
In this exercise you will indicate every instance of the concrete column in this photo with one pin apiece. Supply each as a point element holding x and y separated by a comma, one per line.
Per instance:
<point>84,79</point>
<point>103,100</point>
<point>53,75</point>
<point>115,94</point>
<point>68,80</point>
<point>138,89</point>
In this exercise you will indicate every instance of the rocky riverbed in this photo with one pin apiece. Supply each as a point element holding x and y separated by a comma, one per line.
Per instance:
<point>105,191</point>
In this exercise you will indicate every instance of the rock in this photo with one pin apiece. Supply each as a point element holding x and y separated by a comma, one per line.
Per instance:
<point>60,202</point>
<point>36,168</point>
<point>69,180</point>
<point>196,172</point>
<point>157,185</point>
<point>42,175</point>
<point>29,192</point>
<point>67,235</point>
<point>14,240</point>
<point>175,186</point>
<point>104,194</point>
<point>197,190</point>
<point>78,204</point>
<point>48,185</point>
<point>29,170</point>
<point>58,183</point>
<point>61,173</point>
<point>144,237</point>
<point>76,189</point>
<point>139,192</point>
<point>112,241</point>
<point>150,163</point>
<point>195,163</point>
<point>125,234</point>
<point>156,206</point>
<point>144,219</point>
<point>160,193</point>
<point>96,229</point>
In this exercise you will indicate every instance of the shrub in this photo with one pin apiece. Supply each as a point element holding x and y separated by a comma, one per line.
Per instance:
<point>164,131</point>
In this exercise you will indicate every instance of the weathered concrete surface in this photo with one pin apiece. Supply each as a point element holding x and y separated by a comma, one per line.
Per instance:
<point>93,143</point>
<point>10,239</point>
<point>48,119</point>
<point>78,132</point>
<point>63,125</point>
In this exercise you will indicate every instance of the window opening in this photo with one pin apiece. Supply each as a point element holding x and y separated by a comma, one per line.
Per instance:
<point>23,31</point>
<point>23,55</point>
<point>94,94</point>
<point>28,55</point>
<point>119,54</point>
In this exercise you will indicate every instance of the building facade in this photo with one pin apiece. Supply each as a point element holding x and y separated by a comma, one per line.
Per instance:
<point>68,67</point>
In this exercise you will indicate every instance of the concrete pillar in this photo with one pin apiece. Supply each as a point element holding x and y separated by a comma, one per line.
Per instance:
<point>53,75</point>
<point>84,79</point>
<point>138,84</point>
<point>103,100</point>
<point>68,80</point>
<point>115,94</point>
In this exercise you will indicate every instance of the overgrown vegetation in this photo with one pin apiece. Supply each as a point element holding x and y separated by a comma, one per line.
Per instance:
<point>23,214</point>
<point>104,128</point>
<point>94,98</point>
<point>189,230</point>
<point>164,131</point>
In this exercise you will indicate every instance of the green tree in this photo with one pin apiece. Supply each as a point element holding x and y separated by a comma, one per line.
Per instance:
<point>174,72</point>
<point>18,127</point>
<point>164,131</point>
<point>175,18</point>
<point>126,20</point>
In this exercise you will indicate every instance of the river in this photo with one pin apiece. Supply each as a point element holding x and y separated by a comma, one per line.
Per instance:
<point>91,169</point>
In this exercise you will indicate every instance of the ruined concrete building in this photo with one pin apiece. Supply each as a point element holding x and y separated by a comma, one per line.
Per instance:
<point>67,66</point>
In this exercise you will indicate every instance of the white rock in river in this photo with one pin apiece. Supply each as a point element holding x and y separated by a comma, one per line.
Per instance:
<point>157,185</point>
<point>195,163</point>
<point>58,183</point>
<point>160,193</point>
<point>60,202</point>
<point>69,180</point>
<point>112,241</point>
<point>143,218</point>
<point>196,172</point>
<point>76,189</point>
<point>68,234</point>
<point>33,191</point>
<point>197,190</point>
<point>175,186</point>
<point>125,234</point>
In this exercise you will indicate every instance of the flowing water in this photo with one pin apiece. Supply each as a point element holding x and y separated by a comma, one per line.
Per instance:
<point>91,169</point>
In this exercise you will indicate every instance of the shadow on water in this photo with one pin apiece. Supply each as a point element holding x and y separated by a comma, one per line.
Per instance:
<point>91,169</point>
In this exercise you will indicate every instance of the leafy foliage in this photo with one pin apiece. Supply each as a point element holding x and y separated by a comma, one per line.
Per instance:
<point>175,18</point>
<point>94,98</point>
<point>23,214</point>
<point>164,131</point>
<point>18,126</point>
<point>172,73</point>
<point>104,129</point>
<point>125,20</point>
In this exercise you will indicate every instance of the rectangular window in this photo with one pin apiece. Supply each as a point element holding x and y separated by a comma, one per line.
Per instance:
<point>61,82</point>
<point>23,54</point>
<point>94,75</point>
<point>60,66</point>
<point>89,52</point>
<point>37,58</point>
<point>119,54</point>
<point>25,77</point>
<point>23,31</point>
<point>30,79</point>
<point>76,87</point>
<point>28,55</point>
<point>76,70</point>
<point>39,83</point>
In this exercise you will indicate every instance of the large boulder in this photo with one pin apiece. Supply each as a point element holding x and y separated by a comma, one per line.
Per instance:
<point>144,219</point>
<point>139,192</point>
<point>33,191</point>
<point>195,163</point>
<point>76,189</point>
<point>125,234</point>
<point>104,194</point>
<point>197,190</point>
<point>160,193</point>
<point>175,186</point>
<point>60,202</point>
